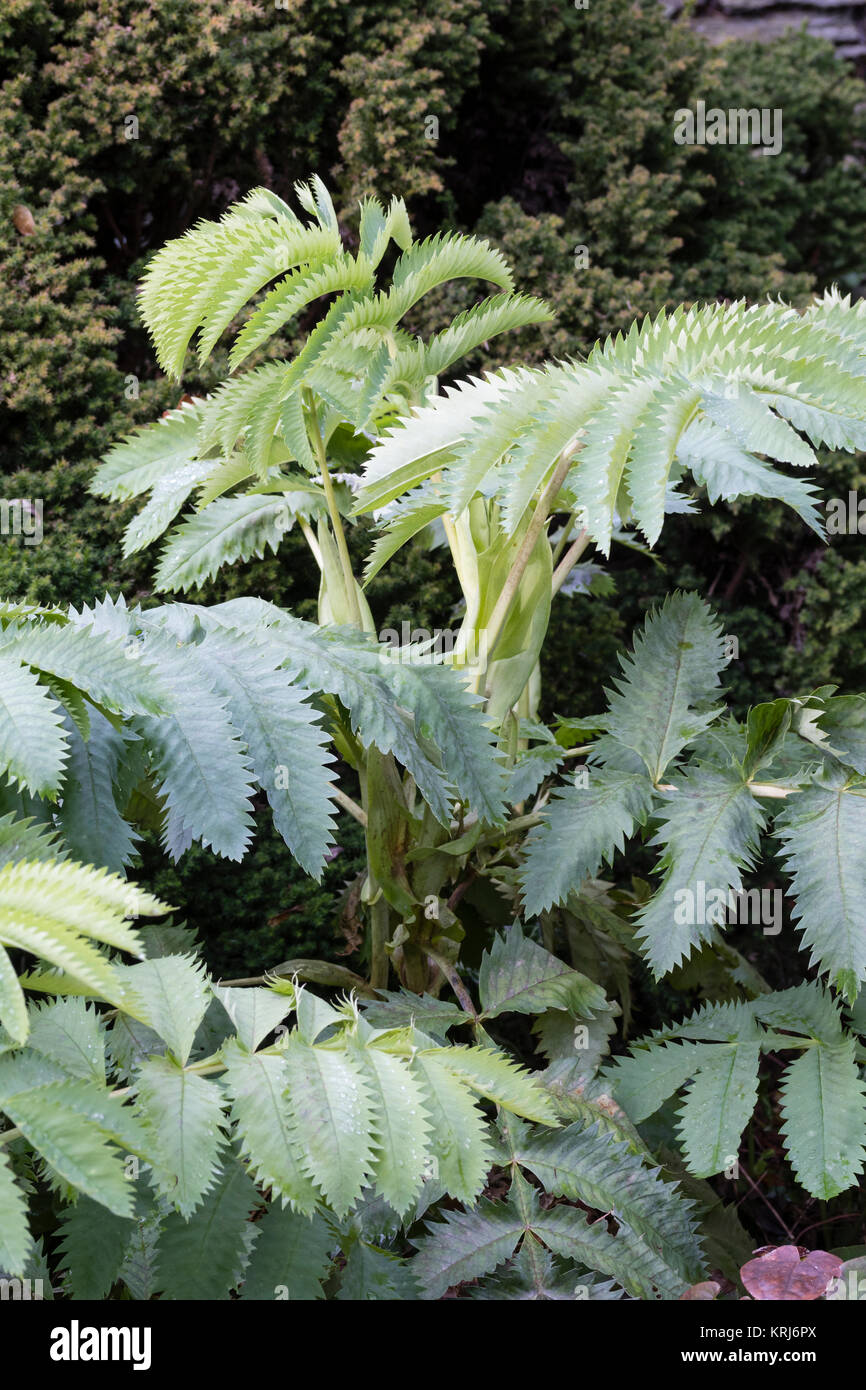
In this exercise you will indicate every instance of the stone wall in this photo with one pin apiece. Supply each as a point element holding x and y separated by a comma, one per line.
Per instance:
<point>843,24</point>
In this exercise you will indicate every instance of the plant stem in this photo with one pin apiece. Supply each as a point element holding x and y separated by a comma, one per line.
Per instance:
<point>568,562</point>
<point>769,789</point>
<point>510,827</point>
<point>454,981</point>
<point>765,1199</point>
<point>313,970</point>
<point>207,1068</point>
<point>522,822</point>
<point>333,510</point>
<point>756,788</point>
<point>453,543</point>
<point>379,936</point>
<point>563,540</point>
<point>380,917</point>
<point>351,806</point>
<point>310,538</point>
<point>415,967</point>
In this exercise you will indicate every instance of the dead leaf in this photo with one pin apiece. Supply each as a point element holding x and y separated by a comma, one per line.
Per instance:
<point>279,917</point>
<point>349,923</point>
<point>184,400</point>
<point>704,1292</point>
<point>782,1275</point>
<point>23,220</point>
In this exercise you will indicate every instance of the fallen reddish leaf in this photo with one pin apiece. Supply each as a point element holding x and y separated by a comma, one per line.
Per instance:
<point>782,1275</point>
<point>704,1292</point>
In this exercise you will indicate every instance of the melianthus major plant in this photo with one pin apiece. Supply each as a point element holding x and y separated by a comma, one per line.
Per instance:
<point>236,1153</point>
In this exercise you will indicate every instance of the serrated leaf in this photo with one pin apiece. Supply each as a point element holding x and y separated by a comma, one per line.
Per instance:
<point>458,1139</point>
<point>400,1126</point>
<point>674,670</point>
<point>643,1081</point>
<point>15,1240</point>
<point>843,722</point>
<point>73,1142</point>
<point>589,1166</point>
<point>397,533</point>
<point>807,1008</point>
<point>531,769</point>
<point>227,530</point>
<point>28,839</point>
<point>466,1245</point>
<point>148,454</point>
<point>93,827</point>
<point>92,660</point>
<point>93,1247</point>
<point>824,1105</point>
<point>138,1270</point>
<point>256,1085</point>
<point>728,471</point>
<point>171,995</point>
<point>535,1274</point>
<point>710,827</point>
<point>717,1107</point>
<point>287,745</point>
<point>70,1033</point>
<point>184,1115</point>
<point>290,1259</point>
<point>203,1257</point>
<point>130,1042</point>
<point>581,828</point>
<point>254,1012</point>
<point>32,742</point>
<point>624,1257</point>
<point>50,909</point>
<point>332,1115</point>
<point>378,691</point>
<point>370,1273</point>
<point>400,1009</point>
<point>166,500</point>
<point>518,976</point>
<point>753,424</point>
<point>199,760</point>
<point>498,1078</point>
<point>823,833</point>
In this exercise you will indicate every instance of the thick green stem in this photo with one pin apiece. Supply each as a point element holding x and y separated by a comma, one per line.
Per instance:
<point>380,916</point>
<point>380,933</point>
<point>415,967</point>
